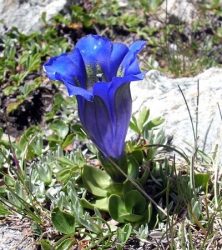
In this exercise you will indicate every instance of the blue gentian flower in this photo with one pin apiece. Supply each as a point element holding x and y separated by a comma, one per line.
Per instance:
<point>98,73</point>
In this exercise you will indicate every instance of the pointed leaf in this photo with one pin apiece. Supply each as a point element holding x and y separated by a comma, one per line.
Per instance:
<point>45,244</point>
<point>64,244</point>
<point>117,208</point>
<point>101,204</point>
<point>154,123</point>
<point>202,180</point>
<point>63,222</point>
<point>132,218</point>
<point>135,202</point>
<point>143,118</point>
<point>60,128</point>
<point>96,180</point>
<point>123,234</point>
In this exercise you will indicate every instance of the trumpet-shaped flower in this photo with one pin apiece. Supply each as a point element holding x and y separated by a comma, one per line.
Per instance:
<point>98,73</point>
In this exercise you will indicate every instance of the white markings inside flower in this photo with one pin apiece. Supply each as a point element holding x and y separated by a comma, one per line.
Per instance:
<point>99,77</point>
<point>120,72</point>
<point>94,75</point>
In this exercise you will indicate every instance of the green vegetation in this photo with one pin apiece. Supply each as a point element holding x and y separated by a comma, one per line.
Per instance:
<point>43,160</point>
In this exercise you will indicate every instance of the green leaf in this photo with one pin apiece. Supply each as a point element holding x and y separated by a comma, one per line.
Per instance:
<point>77,128</point>
<point>154,123</point>
<point>131,209</point>
<point>135,202</point>
<point>9,181</point>
<point>133,125</point>
<point>13,105</point>
<point>101,204</point>
<point>196,209</point>
<point>37,145</point>
<point>54,140</point>
<point>65,174</point>
<point>116,188</point>
<point>29,87</point>
<point>68,140</point>
<point>45,173</point>
<point>143,118</point>
<point>132,218</point>
<point>3,190</point>
<point>124,233</point>
<point>57,103</point>
<point>67,169</point>
<point>45,245</point>
<point>60,128</point>
<point>145,175</point>
<point>9,90</point>
<point>96,180</point>
<point>142,124</point>
<point>202,180</point>
<point>31,143</point>
<point>64,244</point>
<point>4,211</point>
<point>117,208</point>
<point>134,162</point>
<point>149,212</point>
<point>65,162</point>
<point>63,222</point>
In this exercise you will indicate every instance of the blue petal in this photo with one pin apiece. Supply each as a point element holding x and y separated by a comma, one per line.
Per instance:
<point>137,46</point>
<point>73,90</point>
<point>117,98</point>
<point>106,118</point>
<point>59,64</point>
<point>96,51</point>
<point>119,50</point>
<point>68,66</point>
<point>123,109</point>
<point>96,120</point>
<point>129,64</point>
<point>106,90</point>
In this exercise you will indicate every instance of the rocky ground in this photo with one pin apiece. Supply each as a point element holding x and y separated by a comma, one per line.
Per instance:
<point>161,94</point>
<point>15,233</point>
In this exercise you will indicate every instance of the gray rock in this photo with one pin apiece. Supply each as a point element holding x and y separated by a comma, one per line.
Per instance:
<point>161,94</point>
<point>12,237</point>
<point>176,11</point>
<point>26,14</point>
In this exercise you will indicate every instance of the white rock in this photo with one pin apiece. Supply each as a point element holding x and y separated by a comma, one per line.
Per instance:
<point>175,11</point>
<point>14,236</point>
<point>161,94</point>
<point>26,15</point>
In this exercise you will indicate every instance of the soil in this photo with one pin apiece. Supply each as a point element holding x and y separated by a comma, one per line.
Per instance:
<point>30,112</point>
<point>15,233</point>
